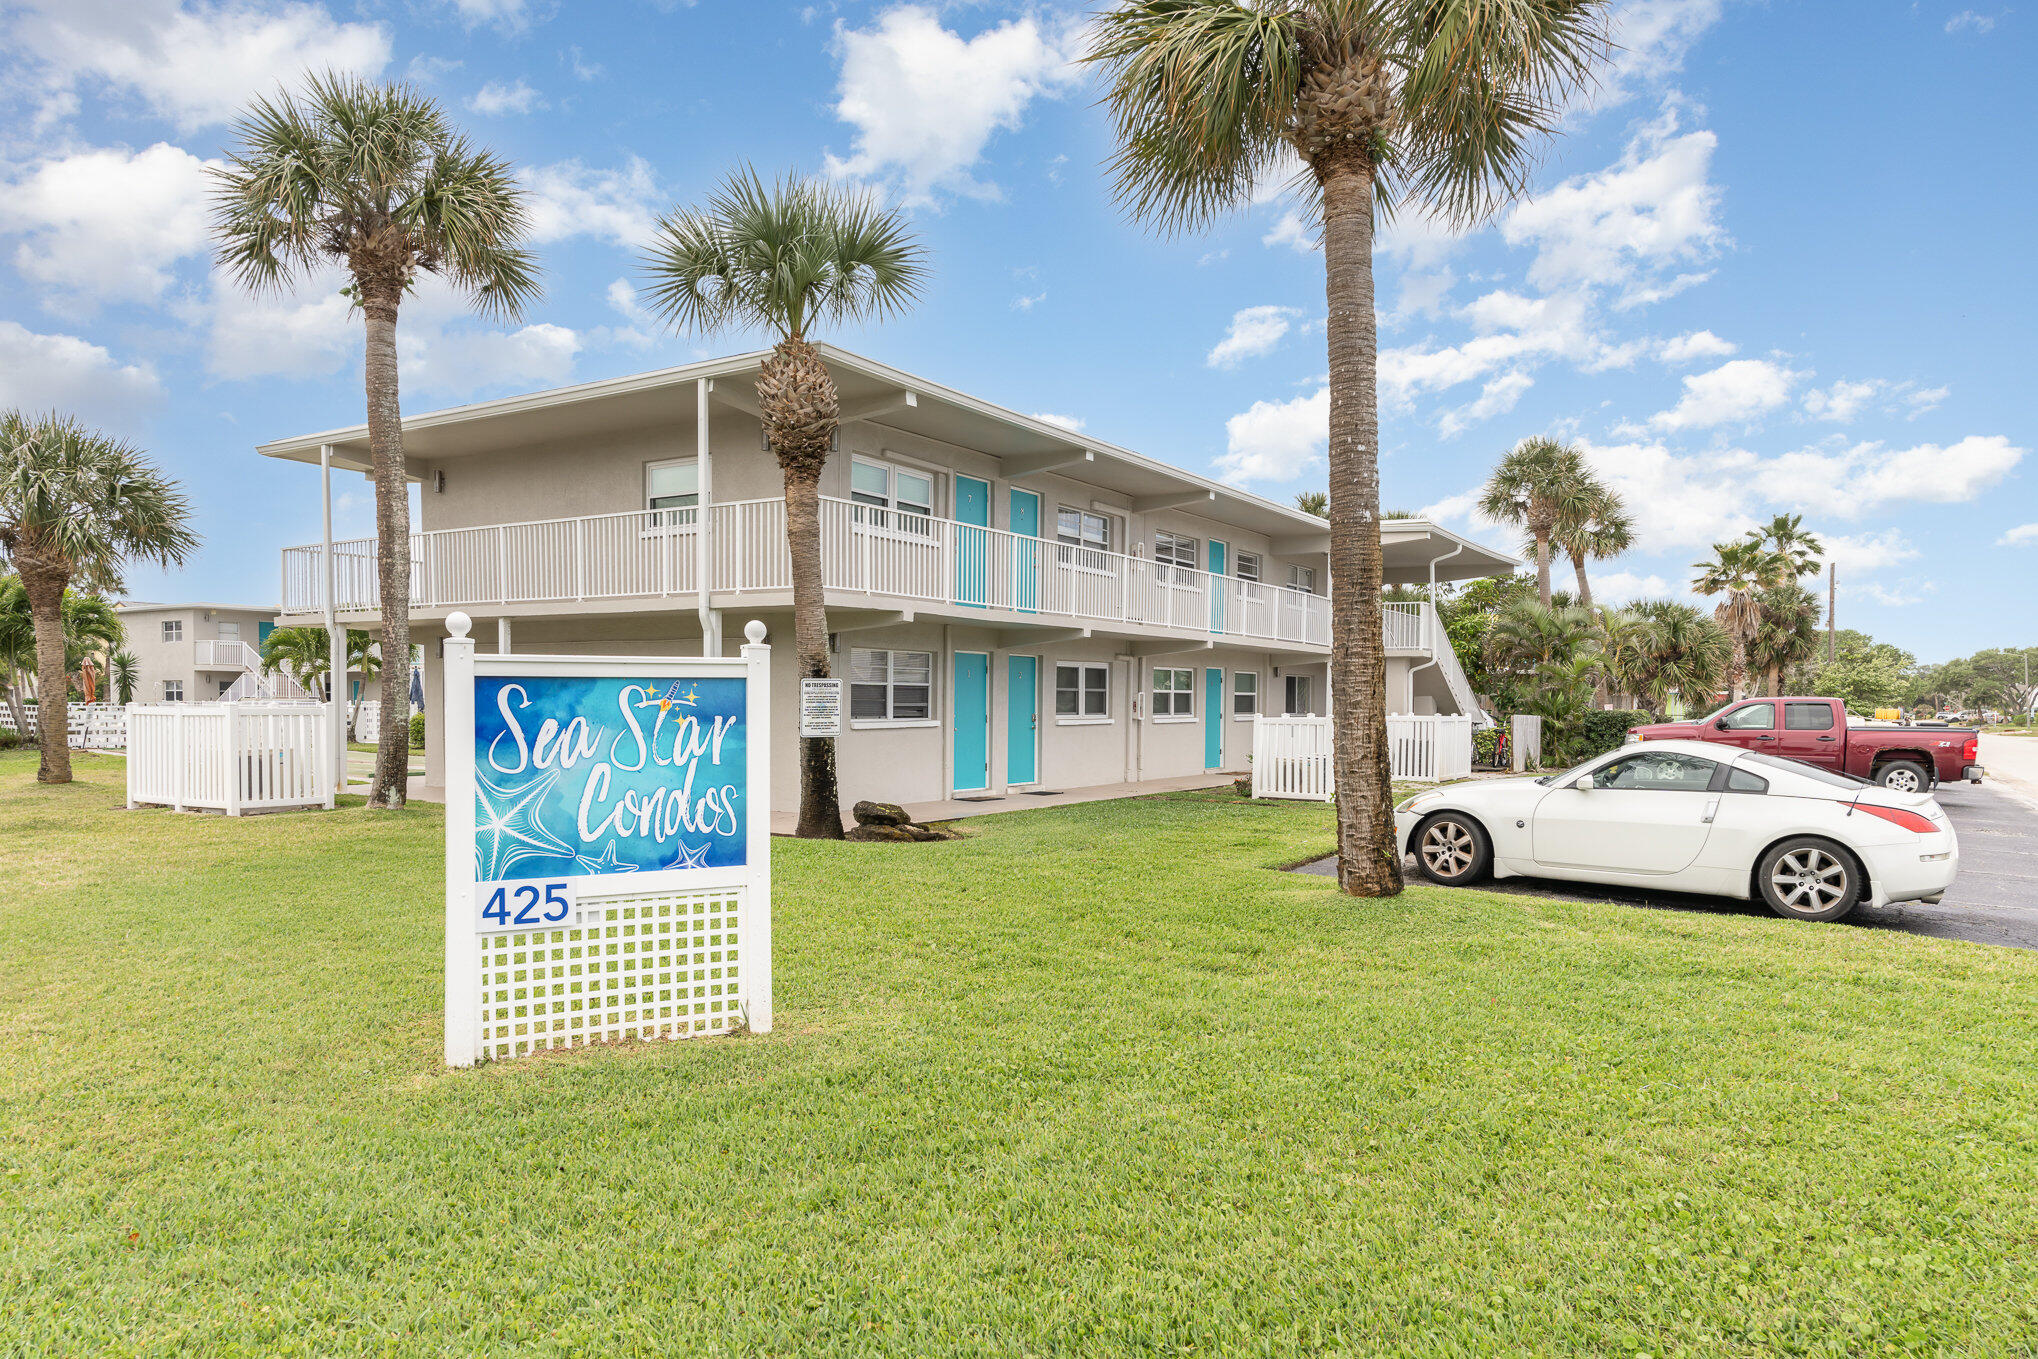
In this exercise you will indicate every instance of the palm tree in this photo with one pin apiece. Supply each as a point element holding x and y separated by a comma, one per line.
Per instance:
<point>1688,654</point>
<point>1795,549</point>
<point>1434,103</point>
<point>76,505</point>
<point>1539,485</point>
<point>1626,639</point>
<point>1595,526</point>
<point>17,648</point>
<point>1313,502</point>
<point>1736,571</point>
<point>1786,632</point>
<point>1525,634</point>
<point>377,178</point>
<point>125,669</point>
<point>305,655</point>
<point>785,258</point>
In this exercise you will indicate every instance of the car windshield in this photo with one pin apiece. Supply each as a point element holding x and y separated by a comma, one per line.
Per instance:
<point>1832,777</point>
<point>1715,714</point>
<point>1563,774</point>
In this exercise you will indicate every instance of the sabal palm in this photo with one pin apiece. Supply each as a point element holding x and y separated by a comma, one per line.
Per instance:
<point>1786,631</point>
<point>1434,104</point>
<point>1689,654</point>
<point>1627,637</point>
<point>1736,571</point>
<point>377,179</point>
<point>124,669</point>
<point>1525,635</point>
<point>1537,486</point>
<point>1795,551</point>
<point>78,506</point>
<point>305,655</point>
<point>785,258</point>
<point>1594,527</point>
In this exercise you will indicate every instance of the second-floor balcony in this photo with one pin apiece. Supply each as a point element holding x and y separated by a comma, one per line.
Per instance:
<point>225,655</point>
<point>882,555</point>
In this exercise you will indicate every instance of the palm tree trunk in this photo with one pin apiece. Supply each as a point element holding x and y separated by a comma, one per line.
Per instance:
<point>1543,567</point>
<point>820,795</point>
<point>379,300</point>
<point>45,590</point>
<point>1775,681</point>
<point>15,708</point>
<point>1584,585</point>
<point>1367,862</point>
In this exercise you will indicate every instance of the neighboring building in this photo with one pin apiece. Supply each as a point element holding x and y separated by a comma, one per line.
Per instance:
<point>1014,605</point>
<point>193,652</point>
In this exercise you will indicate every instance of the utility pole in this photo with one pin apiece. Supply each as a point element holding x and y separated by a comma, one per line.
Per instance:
<point>1830,596</point>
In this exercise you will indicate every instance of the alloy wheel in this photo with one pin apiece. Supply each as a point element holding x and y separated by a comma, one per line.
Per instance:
<point>1903,781</point>
<point>1809,880</point>
<point>1448,848</point>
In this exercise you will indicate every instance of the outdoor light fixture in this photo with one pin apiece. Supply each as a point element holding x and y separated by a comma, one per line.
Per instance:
<point>439,481</point>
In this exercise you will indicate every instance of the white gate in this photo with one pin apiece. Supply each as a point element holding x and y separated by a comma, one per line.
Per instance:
<point>1526,736</point>
<point>227,757</point>
<point>1291,755</point>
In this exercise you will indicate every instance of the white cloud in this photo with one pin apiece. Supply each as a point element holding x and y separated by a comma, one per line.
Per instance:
<point>1254,331</point>
<point>1918,401</point>
<point>2023,535</point>
<point>1698,344</point>
<point>106,225</point>
<point>1514,331</point>
<point>1734,392</point>
<point>496,98</point>
<point>509,15</point>
<point>470,360</point>
<point>1623,227</point>
<point>1896,597</point>
<point>1072,423</point>
<point>1497,397</point>
<point>925,101</point>
<point>1650,41</point>
<point>1852,481</point>
<point>1621,587</point>
<point>307,331</point>
<point>1028,301</point>
<point>1294,231</point>
<point>1971,21</point>
<point>1276,441</point>
<point>569,199</point>
<point>65,373</point>
<point>583,69</point>
<point>1840,402</point>
<point>1863,554</point>
<point>193,64</point>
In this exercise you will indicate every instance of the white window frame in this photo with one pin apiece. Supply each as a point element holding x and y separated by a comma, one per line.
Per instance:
<point>1079,718</point>
<point>226,636</point>
<point>1240,570</point>
<point>1302,579</point>
<point>173,629</point>
<point>1238,693</point>
<point>1155,694</point>
<point>673,516</point>
<point>888,520</point>
<point>173,691</point>
<point>891,685</point>
<point>1082,555</point>
<point>1287,688</point>
<point>1169,568</point>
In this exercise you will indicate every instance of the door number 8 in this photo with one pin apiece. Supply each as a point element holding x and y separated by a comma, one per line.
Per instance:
<point>537,905</point>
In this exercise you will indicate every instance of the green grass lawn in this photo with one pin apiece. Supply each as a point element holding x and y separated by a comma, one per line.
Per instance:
<point>1091,1081</point>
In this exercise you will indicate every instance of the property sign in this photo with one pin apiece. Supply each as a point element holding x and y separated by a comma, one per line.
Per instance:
<point>820,707</point>
<point>607,866</point>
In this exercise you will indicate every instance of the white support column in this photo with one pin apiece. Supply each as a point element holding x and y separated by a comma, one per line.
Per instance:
<point>336,636</point>
<point>463,945</point>
<point>755,930</point>
<point>502,636</point>
<point>711,621</point>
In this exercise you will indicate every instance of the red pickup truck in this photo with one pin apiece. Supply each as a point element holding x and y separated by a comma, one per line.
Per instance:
<point>1818,732</point>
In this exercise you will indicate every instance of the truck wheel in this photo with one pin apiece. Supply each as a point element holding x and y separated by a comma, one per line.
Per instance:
<point>1903,776</point>
<point>1809,879</point>
<point>1452,848</point>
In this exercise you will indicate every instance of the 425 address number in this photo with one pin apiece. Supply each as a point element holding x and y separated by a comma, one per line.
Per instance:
<point>533,904</point>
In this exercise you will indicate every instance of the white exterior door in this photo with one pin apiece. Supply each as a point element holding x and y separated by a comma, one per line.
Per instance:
<point>1649,812</point>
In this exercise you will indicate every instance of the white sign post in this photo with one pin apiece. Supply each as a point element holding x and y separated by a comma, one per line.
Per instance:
<point>608,852</point>
<point>820,707</point>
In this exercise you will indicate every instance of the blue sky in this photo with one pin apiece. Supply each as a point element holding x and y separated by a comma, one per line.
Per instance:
<point>1779,262</point>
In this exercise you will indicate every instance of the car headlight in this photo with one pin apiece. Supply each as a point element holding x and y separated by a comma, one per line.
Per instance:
<point>1419,800</point>
<point>1632,740</point>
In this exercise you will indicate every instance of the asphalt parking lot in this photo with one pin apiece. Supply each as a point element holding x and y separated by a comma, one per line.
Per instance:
<point>1993,901</point>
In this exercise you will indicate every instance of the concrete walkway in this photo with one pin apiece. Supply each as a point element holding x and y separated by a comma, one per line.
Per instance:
<point>782,823</point>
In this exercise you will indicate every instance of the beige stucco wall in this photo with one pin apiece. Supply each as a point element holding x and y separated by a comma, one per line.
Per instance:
<point>158,660</point>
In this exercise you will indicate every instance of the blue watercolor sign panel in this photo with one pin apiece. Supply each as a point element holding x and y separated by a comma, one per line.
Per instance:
<point>578,777</point>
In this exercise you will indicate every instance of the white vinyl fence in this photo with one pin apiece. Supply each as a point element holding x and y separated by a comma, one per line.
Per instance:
<point>92,726</point>
<point>1291,755</point>
<point>1525,735</point>
<point>228,757</point>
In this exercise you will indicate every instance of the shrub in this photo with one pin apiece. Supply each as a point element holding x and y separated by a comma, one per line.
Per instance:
<point>1486,746</point>
<point>1605,730</point>
<point>417,731</point>
<point>8,740</point>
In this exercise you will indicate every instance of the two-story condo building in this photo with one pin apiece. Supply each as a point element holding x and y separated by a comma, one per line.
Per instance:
<point>190,653</point>
<point>1015,606</point>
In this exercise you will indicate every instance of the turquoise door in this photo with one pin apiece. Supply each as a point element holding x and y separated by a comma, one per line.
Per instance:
<point>972,721</point>
<point>1213,718</point>
<point>1026,550</point>
<point>972,541</point>
<point>1022,713</point>
<point>1217,554</point>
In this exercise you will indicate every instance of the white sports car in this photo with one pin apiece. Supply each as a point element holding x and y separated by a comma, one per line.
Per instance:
<point>1692,816</point>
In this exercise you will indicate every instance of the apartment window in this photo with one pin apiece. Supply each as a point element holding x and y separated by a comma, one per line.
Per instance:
<point>1248,567</point>
<point>226,687</point>
<point>891,686</point>
<point>229,632</point>
<point>1176,555</point>
<point>1245,693</point>
<point>1300,696</point>
<point>173,630</point>
<point>1302,578</point>
<point>1082,690</point>
<point>1174,693</point>
<point>673,487</point>
<point>897,499</point>
<point>1084,538</point>
<point>173,691</point>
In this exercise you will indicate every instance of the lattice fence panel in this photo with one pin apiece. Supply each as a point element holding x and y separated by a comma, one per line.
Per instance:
<point>658,965</point>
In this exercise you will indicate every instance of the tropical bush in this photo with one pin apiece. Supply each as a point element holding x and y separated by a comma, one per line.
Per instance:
<point>417,731</point>
<point>1605,729</point>
<point>1486,746</point>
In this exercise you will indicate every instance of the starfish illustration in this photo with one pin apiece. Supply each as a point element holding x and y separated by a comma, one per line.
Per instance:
<point>607,863</point>
<point>689,857</point>
<point>508,828</point>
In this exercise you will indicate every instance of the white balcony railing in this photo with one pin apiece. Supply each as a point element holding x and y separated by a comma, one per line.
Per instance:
<point>222,655</point>
<point>651,554</point>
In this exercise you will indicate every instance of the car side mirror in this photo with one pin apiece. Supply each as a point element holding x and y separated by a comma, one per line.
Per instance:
<point>1584,783</point>
<point>1722,724</point>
